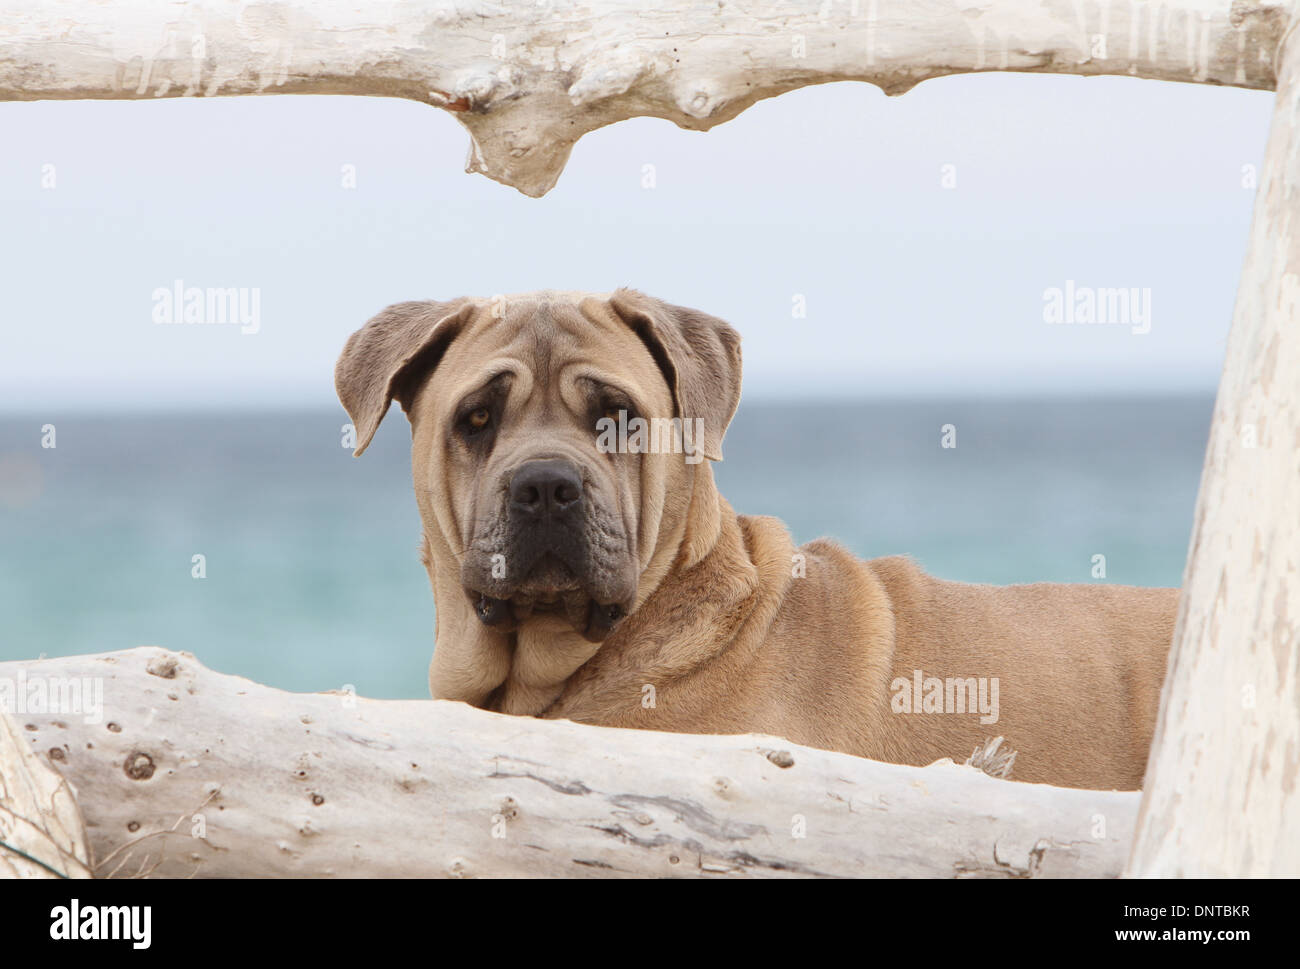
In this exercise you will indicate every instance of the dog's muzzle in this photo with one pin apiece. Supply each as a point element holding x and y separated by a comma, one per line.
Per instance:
<point>549,562</point>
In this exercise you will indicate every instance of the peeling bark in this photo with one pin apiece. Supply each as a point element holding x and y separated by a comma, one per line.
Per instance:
<point>244,780</point>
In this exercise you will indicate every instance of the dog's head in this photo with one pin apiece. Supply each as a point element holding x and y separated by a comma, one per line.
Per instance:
<point>554,440</point>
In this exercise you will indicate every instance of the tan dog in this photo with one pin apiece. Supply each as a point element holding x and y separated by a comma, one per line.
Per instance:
<point>601,578</point>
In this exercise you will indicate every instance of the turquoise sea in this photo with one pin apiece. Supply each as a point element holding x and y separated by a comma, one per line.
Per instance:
<point>312,575</point>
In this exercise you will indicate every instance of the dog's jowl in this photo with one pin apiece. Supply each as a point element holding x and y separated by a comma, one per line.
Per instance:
<point>585,566</point>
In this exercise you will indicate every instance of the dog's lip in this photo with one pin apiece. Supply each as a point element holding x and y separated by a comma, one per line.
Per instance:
<point>549,578</point>
<point>549,582</point>
<point>493,612</point>
<point>551,587</point>
<point>594,620</point>
<point>601,620</point>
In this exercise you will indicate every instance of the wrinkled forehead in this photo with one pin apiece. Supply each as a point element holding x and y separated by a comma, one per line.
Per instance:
<point>555,339</point>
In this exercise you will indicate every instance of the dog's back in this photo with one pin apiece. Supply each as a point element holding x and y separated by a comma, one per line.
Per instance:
<point>1078,671</point>
<point>877,658</point>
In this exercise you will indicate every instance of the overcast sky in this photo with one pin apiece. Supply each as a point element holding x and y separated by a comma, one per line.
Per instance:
<point>831,197</point>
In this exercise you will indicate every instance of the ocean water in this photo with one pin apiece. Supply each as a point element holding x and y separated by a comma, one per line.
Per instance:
<point>313,579</point>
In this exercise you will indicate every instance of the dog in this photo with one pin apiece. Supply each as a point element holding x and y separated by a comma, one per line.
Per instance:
<point>585,566</point>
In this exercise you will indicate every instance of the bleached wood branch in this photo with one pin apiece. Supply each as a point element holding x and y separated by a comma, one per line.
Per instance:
<point>1223,784</point>
<point>195,772</point>
<point>41,834</point>
<point>528,79</point>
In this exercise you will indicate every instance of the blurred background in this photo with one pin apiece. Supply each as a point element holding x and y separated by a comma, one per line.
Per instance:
<point>888,261</point>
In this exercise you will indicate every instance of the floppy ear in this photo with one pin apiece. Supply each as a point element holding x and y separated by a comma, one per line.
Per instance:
<point>385,359</point>
<point>699,355</point>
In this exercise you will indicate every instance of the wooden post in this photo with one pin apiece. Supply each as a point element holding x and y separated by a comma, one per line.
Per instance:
<point>1222,792</point>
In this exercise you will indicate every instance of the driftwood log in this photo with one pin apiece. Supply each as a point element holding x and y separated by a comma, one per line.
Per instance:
<point>185,771</point>
<point>528,79</point>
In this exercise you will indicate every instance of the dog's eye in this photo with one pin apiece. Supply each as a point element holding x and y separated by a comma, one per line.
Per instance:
<point>611,409</point>
<point>477,420</point>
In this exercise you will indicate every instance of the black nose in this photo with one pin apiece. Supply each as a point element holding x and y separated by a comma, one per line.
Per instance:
<point>545,489</point>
